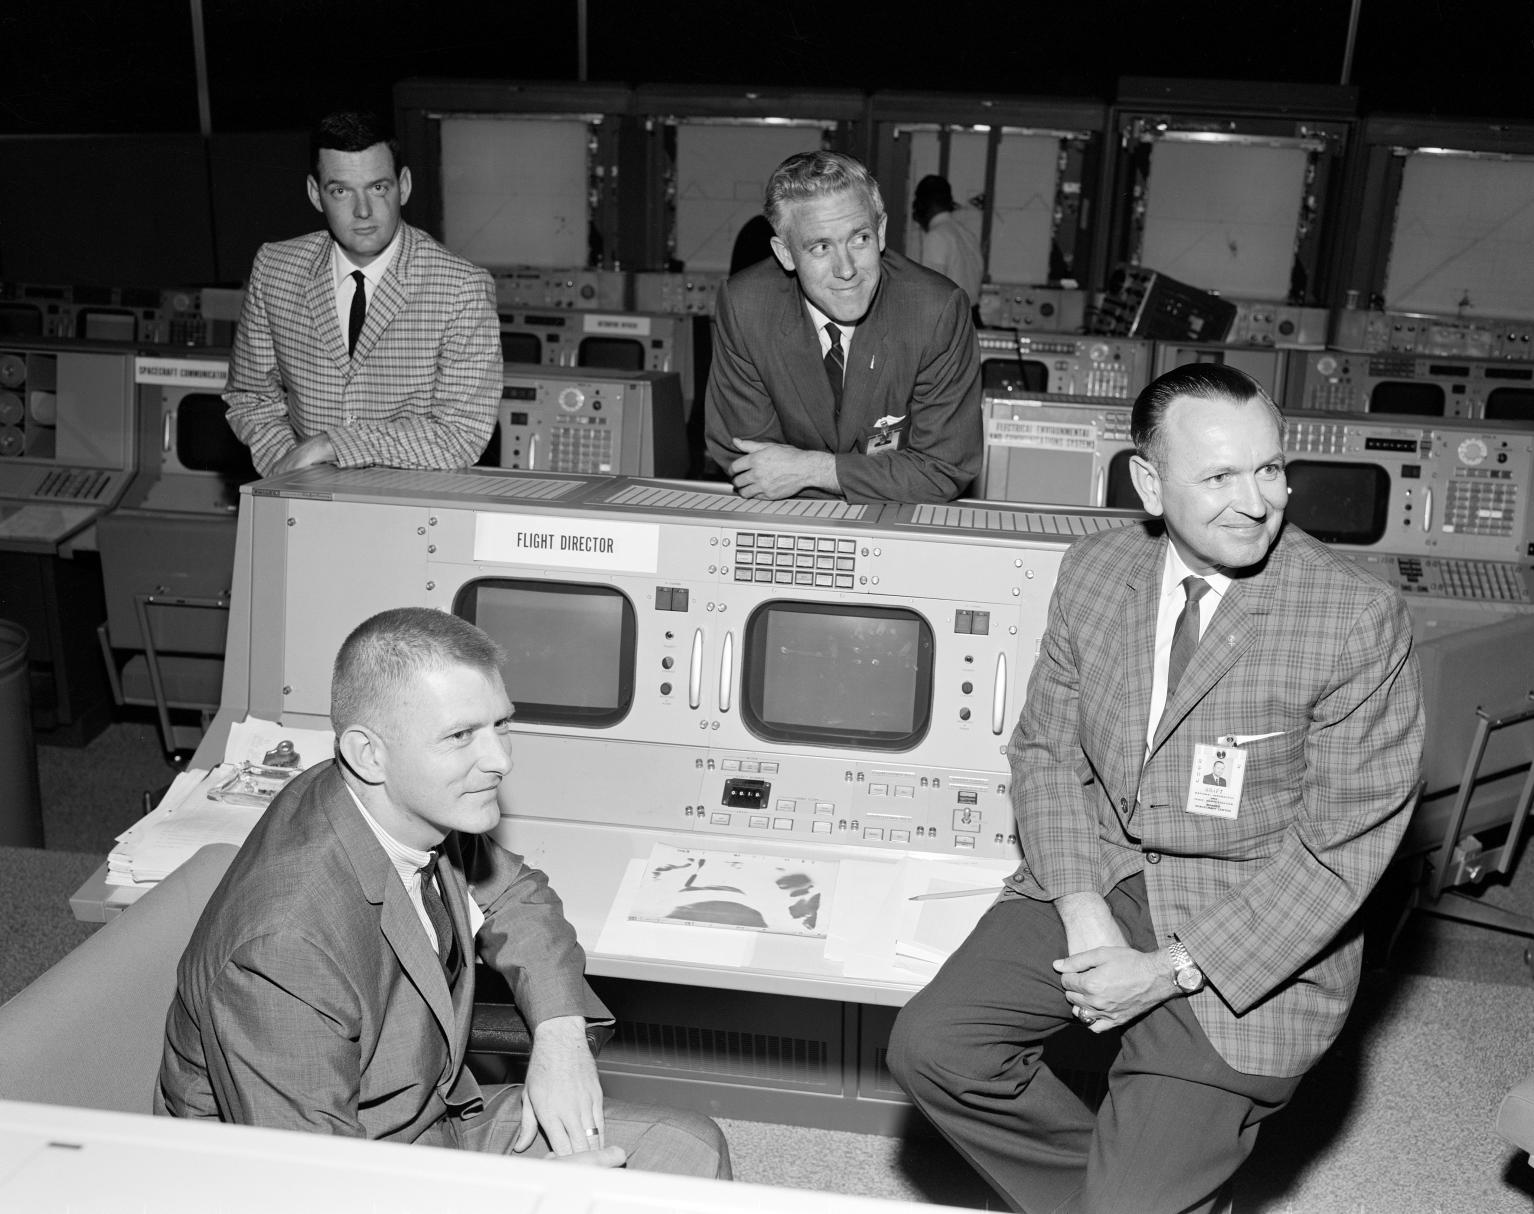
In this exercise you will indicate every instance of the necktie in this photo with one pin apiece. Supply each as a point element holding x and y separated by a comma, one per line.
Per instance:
<point>436,911</point>
<point>358,314</point>
<point>1185,636</point>
<point>836,363</point>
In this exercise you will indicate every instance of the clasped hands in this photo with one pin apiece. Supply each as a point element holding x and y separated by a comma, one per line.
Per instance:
<point>1107,982</point>
<point>776,470</point>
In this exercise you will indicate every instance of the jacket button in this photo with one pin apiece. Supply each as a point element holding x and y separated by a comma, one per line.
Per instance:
<point>1123,805</point>
<point>1153,857</point>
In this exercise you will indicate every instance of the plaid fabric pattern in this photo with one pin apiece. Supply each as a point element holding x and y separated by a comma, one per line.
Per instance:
<point>423,386</point>
<point>1307,648</point>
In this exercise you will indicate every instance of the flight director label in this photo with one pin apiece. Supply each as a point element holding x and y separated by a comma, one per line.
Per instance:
<point>198,372</point>
<point>621,324</point>
<point>1048,436</point>
<point>568,543</point>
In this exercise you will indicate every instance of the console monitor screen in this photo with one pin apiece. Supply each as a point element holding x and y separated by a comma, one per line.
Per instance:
<point>613,353</point>
<point>838,675</point>
<point>1340,503</point>
<point>1121,493</point>
<point>1408,397</point>
<point>105,324</point>
<point>1009,375</point>
<point>20,320</point>
<point>521,347</point>
<point>1510,405</point>
<point>569,647</point>
<point>204,441</point>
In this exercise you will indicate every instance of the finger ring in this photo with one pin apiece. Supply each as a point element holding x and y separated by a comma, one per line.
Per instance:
<point>1085,1019</point>
<point>592,1133</point>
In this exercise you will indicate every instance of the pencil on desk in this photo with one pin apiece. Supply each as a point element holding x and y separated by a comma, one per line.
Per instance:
<point>954,893</point>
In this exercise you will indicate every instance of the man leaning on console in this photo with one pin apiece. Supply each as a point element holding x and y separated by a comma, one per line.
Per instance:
<point>1214,763</point>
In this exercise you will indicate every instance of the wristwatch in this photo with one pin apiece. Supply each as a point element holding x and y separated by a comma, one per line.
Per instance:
<point>1185,974</point>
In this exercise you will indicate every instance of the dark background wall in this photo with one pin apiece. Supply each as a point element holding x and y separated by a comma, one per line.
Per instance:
<point>110,177</point>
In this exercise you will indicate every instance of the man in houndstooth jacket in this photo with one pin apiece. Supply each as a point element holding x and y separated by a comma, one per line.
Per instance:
<point>407,375</point>
<point>1211,929</point>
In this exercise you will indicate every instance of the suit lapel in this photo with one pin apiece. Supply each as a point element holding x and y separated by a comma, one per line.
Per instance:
<point>322,305</point>
<point>1141,605</point>
<point>400,924</point>
<point>867,364</point>
<point>806,367</point>
<point>389,295</point>
<point>1231,632</point>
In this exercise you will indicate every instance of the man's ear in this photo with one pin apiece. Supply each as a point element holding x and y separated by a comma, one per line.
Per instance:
<point>780,250</point>
<point>364,752</point>
<point>884,223</point>
<point>314,193</point>
<point>404,185</point>
<point>1147,482</point>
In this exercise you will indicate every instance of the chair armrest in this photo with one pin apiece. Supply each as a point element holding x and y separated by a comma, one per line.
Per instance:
<point>496,1027</point>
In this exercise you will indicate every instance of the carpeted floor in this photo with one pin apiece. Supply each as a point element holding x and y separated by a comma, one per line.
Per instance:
<point>1395,1120</point>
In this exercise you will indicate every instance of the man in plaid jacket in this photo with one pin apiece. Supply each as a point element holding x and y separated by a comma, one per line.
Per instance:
<point>1210,927</point>
<point>368,343</point>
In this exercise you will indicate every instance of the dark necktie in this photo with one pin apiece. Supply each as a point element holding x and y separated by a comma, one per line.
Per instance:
<point>359,313</point>
<point>1185,636</point>
<point>836,363</point>
<point>441,921</point>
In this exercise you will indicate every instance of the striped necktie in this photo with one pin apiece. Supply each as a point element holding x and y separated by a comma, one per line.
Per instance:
<point>836,363</point>
<point>1185,636</point>
<point>441,921</point>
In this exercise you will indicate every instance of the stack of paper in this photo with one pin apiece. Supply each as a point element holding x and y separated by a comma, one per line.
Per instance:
<point>214,806</point>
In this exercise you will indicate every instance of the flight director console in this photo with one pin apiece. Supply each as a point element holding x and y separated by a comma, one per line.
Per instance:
<point>807,671</point>
<point>1064,364</point>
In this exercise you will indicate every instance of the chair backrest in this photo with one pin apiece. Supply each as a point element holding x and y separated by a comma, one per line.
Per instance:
<point>89,1032</point>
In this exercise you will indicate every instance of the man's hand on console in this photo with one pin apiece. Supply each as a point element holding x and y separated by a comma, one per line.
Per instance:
<point>316,450</point>
<point>563,1096</point>
<point>776,470</point>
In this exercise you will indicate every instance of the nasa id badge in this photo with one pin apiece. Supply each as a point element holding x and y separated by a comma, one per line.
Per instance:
<point>1214,788</point>
<point>887,435</point>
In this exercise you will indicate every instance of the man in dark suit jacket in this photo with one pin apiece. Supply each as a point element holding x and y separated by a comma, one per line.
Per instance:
<point>1217,936</point>
<point>401,368</point>
<point>840,368</point>
<point>328,984</point>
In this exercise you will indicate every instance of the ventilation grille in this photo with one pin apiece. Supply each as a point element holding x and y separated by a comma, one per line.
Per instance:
<point>657,497</point>
<point>720,1051</point>
<point>75,485</point>
<point>1016,522</point>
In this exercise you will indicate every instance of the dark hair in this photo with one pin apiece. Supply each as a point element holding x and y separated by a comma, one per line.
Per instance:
<point>807,175</point>
<point>378,664</point>
<point>933,196</point>
<point>350,131</point>
<point>1207,381</point>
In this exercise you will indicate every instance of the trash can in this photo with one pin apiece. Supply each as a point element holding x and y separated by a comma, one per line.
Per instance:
<point>21,802</point>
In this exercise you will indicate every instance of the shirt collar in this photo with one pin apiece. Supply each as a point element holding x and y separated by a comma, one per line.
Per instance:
<point>374,270</point>
<point>820,320</point>
<point>1174,569</point>
<point>406,860</point>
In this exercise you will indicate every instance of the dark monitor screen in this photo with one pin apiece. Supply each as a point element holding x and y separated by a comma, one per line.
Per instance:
<point>1013,375</point>
<point>614,353</point>
<point>569,647</point>
<point>838,675</point>
<point>204,441</point>
<point>1510,405</point>
<point>20,320</point>
<point>1339,503</point>
<point>518,346</point>
<point>1408,397</point>
<point>106,324</point>
<point>1121,493</point>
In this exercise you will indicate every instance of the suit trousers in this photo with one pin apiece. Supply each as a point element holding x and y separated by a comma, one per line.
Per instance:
<point>1177,1120</point>
<point>655,1138</point>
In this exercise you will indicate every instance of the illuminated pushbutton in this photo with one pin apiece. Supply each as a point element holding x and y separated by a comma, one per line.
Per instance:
<point>874,832</point>
<point>782,824</point>
<point>718,819</point>
<point>760,821</point>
